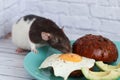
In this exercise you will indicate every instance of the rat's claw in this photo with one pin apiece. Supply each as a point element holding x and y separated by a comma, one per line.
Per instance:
<point>33,47</point>
<point>34,50</point>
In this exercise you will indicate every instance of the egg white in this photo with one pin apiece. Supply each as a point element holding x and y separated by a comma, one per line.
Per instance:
<point>63,68</point>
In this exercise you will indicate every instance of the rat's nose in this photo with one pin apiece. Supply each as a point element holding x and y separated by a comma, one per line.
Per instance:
<point>67,49</point>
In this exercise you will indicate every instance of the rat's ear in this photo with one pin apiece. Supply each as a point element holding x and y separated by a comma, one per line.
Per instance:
<point>62,28</point>
<point>45,36</point>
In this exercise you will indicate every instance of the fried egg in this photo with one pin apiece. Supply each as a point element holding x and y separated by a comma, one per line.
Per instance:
<point>64,64</point>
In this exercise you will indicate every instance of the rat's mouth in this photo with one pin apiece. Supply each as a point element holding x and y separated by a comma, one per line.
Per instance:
<point>66,51</point>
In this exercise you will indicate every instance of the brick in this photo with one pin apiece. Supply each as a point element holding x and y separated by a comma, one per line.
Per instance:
<point>49,0</point>
<point>75,33</point>
<point>80,16</point>
<point>11,12</point>
<point>33,0</point>
<point>105,12</point>
<point>1,24</point>
<point>107,2</point>
<point>22,5</point>
<point>9,15</point>
<point>103,2</point>
<point>1,17</point>
<point>80,1</point>
<point>1,31</point>
<point>67,21</point>
<point>1,5</point>
<point>113,3</point>
<point>75,21</point>
<point>34,6</point>
<point>110,26</point>
<point>100,11</point>
<point>111,36</point>
<point>95,23</point>
<point>30,6</point>
<point>32,10</point>
<point>79,9</point>
<point>9,3</point>
<point>55,7</point>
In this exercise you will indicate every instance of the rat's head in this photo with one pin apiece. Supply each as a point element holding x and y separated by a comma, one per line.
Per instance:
<point>57,40</point>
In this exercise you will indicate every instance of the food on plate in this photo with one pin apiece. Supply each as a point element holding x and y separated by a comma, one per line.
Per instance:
<point>64,64</point>
<point>106,67</point>
<point>96,47</point>
<point>107,75</point>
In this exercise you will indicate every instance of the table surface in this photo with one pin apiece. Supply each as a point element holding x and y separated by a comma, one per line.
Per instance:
<point>11,63</point>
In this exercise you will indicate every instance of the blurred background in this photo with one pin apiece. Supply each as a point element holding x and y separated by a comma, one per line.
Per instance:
<point>79,17</point>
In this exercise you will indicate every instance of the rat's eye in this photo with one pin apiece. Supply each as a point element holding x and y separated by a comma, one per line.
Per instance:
<point>59,41</point>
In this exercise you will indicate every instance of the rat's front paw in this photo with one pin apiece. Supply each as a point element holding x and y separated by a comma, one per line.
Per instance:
<point>33,47</point>
<point>34,50</point>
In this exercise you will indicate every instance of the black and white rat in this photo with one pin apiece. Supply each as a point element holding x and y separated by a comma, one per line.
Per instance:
<point>31,32</point>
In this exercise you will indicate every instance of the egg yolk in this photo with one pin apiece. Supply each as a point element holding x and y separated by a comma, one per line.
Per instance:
<point>70,57</point>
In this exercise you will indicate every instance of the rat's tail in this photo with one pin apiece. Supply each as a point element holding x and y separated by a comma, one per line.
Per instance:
<point>8,35</point>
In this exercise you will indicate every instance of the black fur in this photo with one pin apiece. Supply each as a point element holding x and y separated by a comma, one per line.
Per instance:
<point>58,40</point>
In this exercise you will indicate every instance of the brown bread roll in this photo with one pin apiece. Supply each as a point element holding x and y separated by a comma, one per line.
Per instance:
<point>96,47</point>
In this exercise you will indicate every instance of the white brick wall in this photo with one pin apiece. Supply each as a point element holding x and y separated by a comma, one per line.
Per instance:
<point>79,17</point>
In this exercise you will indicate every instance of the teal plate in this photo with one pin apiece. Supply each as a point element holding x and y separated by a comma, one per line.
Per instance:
<point>32,61</point>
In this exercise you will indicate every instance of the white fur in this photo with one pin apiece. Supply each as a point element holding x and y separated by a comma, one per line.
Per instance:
<point>33,47</point>
<point>20,33</point>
